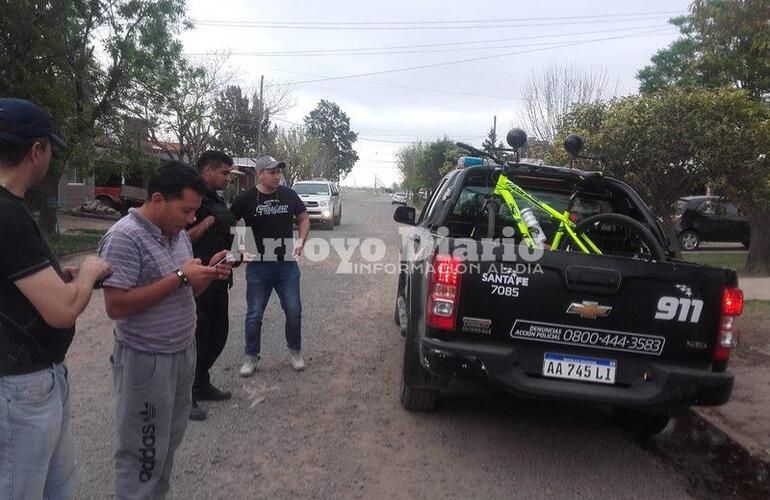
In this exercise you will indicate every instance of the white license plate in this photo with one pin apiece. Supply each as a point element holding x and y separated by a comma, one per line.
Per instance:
<point>579,368</point>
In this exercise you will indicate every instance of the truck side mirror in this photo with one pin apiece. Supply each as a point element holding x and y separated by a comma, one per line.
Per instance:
<point>405,215</point>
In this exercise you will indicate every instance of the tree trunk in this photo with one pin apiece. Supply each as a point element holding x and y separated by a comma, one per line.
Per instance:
<point>663,209</point>
<point>758,261</point>
<point>666,214</point>
<point>46,206</point>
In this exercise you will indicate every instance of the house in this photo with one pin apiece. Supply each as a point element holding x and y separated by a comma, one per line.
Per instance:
<point>247,167</point>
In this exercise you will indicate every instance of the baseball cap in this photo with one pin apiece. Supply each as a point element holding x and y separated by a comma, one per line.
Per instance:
<point>268,163</point>
<point>21,122</point>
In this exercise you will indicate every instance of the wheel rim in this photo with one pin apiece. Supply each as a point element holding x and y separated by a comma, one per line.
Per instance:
<point>689,241</point>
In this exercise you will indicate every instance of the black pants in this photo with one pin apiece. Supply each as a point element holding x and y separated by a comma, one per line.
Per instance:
<point>211,330</point>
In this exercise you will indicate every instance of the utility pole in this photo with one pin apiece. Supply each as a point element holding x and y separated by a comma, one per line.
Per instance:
<point>494,130</point>
<point>261,112</point>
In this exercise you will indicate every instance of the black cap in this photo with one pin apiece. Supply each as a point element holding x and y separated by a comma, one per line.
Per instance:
<point>268,163</point>
<point>21,122</point>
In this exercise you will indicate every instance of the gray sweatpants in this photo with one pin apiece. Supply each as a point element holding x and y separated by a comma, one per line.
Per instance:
<point>153,395</point>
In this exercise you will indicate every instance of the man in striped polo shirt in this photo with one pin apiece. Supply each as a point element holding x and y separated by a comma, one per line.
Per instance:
<point>150,295</point>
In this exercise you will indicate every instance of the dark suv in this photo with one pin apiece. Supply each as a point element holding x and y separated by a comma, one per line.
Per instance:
<point>709,218</point>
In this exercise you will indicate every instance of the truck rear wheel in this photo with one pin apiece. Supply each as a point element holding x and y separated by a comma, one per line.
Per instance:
<point>415,397</point>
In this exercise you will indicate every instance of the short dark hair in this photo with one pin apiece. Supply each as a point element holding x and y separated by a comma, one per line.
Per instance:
<point>172,178</point>
<point>211,158</point>
<point>12,154</point>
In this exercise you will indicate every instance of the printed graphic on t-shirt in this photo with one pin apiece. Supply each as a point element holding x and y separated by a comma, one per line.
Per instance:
<point>272,207</point>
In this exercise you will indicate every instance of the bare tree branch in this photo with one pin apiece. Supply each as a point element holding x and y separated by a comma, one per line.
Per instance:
<point>549,96</point>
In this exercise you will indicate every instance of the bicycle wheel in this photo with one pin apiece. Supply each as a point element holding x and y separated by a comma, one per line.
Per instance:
<point>639,239</point>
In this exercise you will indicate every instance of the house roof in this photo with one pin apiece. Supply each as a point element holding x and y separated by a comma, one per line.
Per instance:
<point>245,162</point>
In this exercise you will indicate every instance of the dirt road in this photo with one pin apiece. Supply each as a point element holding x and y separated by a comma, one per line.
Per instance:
<point>337,430</point>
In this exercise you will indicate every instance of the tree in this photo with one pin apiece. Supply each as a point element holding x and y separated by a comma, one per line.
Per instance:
<point>733,147</point>
<point>669,144</point>
<point>82,61</point>
<point>303,153</point>
<point>489,144</point>
<point>331,126</point>
<point>409,158</point>
<point>550,95</point>
<point>185,112</point>
<point>244,126</point>
<point>235,122</point>
<point>423,165</point>
<point>723,42</point>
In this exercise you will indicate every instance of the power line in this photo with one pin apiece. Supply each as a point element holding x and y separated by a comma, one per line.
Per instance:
<point>473,59</point>
<point>462,21</point>
<point>457,25</point>
<point>395,85</point>
<point>419,138</point>
<point>380,50</point>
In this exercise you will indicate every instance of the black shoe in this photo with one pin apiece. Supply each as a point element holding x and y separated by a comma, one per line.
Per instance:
<point>211,393</point>
<point>197,413</point>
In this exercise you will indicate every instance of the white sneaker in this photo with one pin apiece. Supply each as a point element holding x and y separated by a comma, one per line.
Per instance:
<point>249,366</point>
<point>296,360</point>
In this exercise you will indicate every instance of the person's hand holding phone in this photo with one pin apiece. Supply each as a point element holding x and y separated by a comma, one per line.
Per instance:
<point>223,263</point>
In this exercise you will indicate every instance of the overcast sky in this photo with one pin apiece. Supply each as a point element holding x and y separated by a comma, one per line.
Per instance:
<point>458,100</point>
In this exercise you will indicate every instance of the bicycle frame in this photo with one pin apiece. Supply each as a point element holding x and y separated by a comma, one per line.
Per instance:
<point>509,190</point>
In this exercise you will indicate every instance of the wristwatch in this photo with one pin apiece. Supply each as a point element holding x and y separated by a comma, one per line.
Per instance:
<point>183,279</point>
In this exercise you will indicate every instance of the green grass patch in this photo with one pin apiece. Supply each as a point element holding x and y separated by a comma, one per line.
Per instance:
<point>76,241</point>
<point>729,260</point>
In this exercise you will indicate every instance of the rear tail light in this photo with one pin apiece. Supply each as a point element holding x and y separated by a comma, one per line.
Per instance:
<point>732,307</point>
<point>443,292</point>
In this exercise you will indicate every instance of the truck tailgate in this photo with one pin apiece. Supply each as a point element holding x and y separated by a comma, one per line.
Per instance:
<point>600,306</point>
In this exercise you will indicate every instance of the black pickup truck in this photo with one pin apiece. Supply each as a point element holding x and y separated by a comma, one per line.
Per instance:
<point>643,333</point>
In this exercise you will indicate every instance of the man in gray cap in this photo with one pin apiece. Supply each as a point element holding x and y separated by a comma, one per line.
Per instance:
<point>269,211</point>
<point>39,302</point>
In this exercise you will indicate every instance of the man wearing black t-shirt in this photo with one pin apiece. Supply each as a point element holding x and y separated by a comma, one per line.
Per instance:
<point>269,211</point>
<point>39,303</point>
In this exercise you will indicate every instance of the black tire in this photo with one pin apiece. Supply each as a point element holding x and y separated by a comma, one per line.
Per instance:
<point>338,219</point>
<point>414,397</point>
<point>641,423</point>
<point>746,244</point>
<point>689,240</point>
<point>653,245</point>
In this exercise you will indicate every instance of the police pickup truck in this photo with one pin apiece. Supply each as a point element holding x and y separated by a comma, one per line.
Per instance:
<point>642,332</point>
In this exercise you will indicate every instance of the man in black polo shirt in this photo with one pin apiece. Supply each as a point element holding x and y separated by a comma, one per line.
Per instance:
<point>211,234</point>
<point>39,303</point>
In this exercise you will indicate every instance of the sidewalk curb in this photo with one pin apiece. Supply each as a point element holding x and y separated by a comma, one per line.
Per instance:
<point>711,418</point>
<point>713,462</point>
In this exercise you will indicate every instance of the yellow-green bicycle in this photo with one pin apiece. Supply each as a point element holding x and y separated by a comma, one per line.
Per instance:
<point>569,235</point>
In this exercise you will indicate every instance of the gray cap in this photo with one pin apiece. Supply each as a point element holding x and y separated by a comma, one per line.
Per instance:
<point>268,163</point>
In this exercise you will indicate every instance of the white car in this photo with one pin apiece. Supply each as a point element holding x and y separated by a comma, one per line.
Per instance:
<point>322,200</point>
<point>398,198</point>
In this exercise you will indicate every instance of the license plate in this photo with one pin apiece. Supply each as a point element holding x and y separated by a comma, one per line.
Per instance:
<point>579,368</point>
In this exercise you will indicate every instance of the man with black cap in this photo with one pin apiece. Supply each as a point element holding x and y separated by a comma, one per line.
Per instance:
<point>269,211</point>
<point>39,302</point>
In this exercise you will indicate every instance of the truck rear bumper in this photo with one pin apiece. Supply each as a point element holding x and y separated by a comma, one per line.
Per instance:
<point>663,386</point>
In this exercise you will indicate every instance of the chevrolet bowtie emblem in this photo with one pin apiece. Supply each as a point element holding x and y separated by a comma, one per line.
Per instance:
<point>590,310</point>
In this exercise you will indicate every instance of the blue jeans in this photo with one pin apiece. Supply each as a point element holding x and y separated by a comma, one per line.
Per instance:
<point>37,457</point>
<point>261,279</point>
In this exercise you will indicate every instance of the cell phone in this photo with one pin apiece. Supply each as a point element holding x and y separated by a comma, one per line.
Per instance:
<point>223,259</point>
